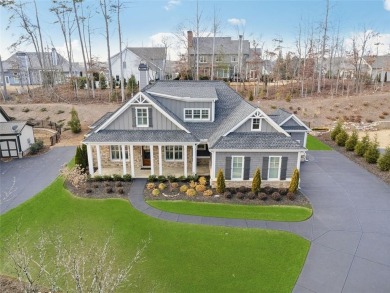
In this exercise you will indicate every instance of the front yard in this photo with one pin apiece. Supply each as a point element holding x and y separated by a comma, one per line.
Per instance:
<point>179,257</point>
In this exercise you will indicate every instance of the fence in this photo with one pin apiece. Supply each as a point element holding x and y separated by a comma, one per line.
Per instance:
<point>48,124</point>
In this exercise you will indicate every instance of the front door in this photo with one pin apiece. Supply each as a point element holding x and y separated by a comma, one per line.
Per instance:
<point>145,156</point>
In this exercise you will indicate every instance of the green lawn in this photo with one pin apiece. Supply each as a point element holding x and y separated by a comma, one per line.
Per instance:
<point>180,257</point>
<point>313,144</point>
<point>234,211</point>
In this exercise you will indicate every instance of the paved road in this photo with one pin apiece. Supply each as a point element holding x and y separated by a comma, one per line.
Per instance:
<point>21,179</point>
<point>349,231</point>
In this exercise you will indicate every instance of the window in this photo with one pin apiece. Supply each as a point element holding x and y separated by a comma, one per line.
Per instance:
<point>237,167</point>
<point>173,153</point>
<point>202,147</point>
<point>202,59</point>
<point>124,64</point>
<point>274,168</point>
<point>218,58</point>
<point>256,124</point>
<point>116,152</point>
<point>142,117</point>
<point>234,59</point>
<point>196,114</point>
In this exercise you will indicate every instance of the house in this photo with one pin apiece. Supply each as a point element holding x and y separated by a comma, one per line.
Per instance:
<point>24,68</point>
<point>292,125</point>
<point>15,136</point>
<point>380,67</point>
<point>192,127</point>
<point>229,55</point>
<point>132,57</point>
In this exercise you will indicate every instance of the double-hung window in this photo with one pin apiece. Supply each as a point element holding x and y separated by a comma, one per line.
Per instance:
<point>237,168</point>
<point>196,114</point>
<point>256,124</point>
<point>116,153</point>
<point>142,117</point>
<point>174,153</point>
<point>274,167</point>
<point>202,59</point>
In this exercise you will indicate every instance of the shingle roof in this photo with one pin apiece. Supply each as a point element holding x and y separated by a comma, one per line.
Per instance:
<point>295,127</point>
<point>4,114</point>
<point>259,140</point>
<point>7,127</point>
<point>279,115</point>
<point>168,88</point>
<point>153,56</point>
<point>379,62</point>
<point>101,120</point>
<point>141,136</point>
<point>223,45</point>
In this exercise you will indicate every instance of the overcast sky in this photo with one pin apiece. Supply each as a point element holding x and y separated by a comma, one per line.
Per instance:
<point>144,22</point>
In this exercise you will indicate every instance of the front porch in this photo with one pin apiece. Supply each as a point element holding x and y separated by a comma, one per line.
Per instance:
<point>141,161</point>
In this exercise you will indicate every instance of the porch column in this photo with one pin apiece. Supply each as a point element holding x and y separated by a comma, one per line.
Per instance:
<point>99,159</point>
<point>194,148</point>
<point>132,161</point>
<point>151,161</point>
<point>159,160</point>
<point>185,160</point>
<point>90,159</point>
<point>212,173</point>
<point>124,159</point>
<point>299,161</point>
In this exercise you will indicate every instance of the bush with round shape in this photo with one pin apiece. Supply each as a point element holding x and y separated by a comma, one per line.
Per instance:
<point>109,190</point>
<point>243,189</point>
<point>200,188</point>
<point>256,182</point>
<point>161,178</point>
<point>262,196</point>
<point>251,195</point>
<point>156,192</point>
<point>126,177</point>
<point>341,138</point>
<point>221,186</point>
<point>152,178</point>
<point>384,160</point>
<point>150,186</point>
<point>240,195</point>
<point>208,193</point>
<point>37,146</point>
<point>120,190</point>
<point>372,153</point>
<point>268,190</point>
<point>276,196</point>
<point>117,177</point>
<point>294,181</point>
<point>193,184</point>
<point>191,192</point>
<point>283,191</point>
<point>183,188</point>
<point>227,194</point>
<point>352,141</point>
<point>202,180</point>
<point>336,130</point>
<point>291,196</point>
<point>162,186</point>
<point>362,146</point>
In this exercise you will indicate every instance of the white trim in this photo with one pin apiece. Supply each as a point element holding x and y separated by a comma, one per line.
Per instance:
<point>297,120</point>
<point>213,111</point>
<point>159,160</point>
<point>185,99</point>
<point>173,160</point>
<point>90,159</point>
<point>131,102</point>
<point>242,169</point>
<point>260,124</point>
<point>119,151</point>
<point>305,140</point>
<point>299,161</point>
<point>280,167</point>
<point>151,160</point>
<point>139,143</point>
<point>99,159</point>
<point>124,159</point>
<point>258,150</point>
<point>202,149</point>
<point>258,113</point>
<point>192,114</point>
<point>194,162</point>
<point>132,161</point>
<point>136,116</point>
<point>185,160</point>
<point>212,173</point>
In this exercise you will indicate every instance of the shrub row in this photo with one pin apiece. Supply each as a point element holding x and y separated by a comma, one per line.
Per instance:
<point>171,178</point>
<point>115,177</point>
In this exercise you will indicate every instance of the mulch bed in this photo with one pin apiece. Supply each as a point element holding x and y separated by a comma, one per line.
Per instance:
<point>174,195</point>
<point>372,168</point>
<point>100,190</point>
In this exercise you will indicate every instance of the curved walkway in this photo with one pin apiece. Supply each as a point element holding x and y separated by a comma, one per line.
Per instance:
<point>349,230</point>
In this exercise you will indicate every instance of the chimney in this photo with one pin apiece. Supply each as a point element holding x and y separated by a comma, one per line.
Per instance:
<point>143,75</point>
<point>190,38</point>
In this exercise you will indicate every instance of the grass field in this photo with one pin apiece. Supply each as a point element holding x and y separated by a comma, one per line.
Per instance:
<point>313,144</point>
<point>179,258</point>
<point>234,211</point>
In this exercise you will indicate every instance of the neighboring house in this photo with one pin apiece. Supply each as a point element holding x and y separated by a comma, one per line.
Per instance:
<point>24,68</point>
<point>292,125</point>
<point>15,136</point>
<point>132,57</point>
<point>380,67</point>
<point>229,55</point>
<point>192,127</point>
<point>344,67</point>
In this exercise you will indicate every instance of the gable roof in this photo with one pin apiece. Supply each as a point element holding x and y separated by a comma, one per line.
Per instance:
<point>153,56</point>
<point>4,114</point>
<point>223,45</point>
<point>281,116</point>
<point>12,127</point>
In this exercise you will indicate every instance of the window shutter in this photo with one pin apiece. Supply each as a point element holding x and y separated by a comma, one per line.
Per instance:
<point>283,170</point>
<point>247,166</point>
<point>264,169</point>
<point>134,117</point>
<point>150,117</point>
<point>228,168</point>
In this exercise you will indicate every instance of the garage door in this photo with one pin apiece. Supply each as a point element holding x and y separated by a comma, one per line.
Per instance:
<point>8,148</point>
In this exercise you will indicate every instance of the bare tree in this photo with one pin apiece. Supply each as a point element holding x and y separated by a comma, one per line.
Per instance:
<point>216,27</point>
<point>4,92</point>
<point>323,47</point>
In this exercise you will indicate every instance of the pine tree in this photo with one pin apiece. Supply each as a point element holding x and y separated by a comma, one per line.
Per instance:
<point>384,160</point>
<point>341,138</point>
<point>256,183</point>
<point>362,146</point>
<point>74,122</point>
<point>77,158</point>
<point>102,81</point>
<point>372,153</point>
<point>220,182</point>
<point>352,141</point>
<point>294,181</point>
<point>84,157</point>
<point>336,130</point>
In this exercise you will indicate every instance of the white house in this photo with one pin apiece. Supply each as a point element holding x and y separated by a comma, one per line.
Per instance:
<point>153,57</point>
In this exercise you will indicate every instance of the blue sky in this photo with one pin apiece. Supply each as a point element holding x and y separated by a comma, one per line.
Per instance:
<point>145,21</point>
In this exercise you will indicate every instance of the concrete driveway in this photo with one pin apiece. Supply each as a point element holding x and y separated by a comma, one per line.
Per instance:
<point>21,179</point>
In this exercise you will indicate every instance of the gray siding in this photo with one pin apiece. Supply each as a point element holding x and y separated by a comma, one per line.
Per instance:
<point>257,161</point>
<point>125,121</point>
<point>247,126</point>
<point>177,107</point>
<point>291,122</point>
<point>298,136</point>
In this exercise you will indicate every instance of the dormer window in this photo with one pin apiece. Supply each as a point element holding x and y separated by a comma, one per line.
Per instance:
<point>142,117</point>
<point>202,59</point>
<point>196,114</point>
<point>256,124</point>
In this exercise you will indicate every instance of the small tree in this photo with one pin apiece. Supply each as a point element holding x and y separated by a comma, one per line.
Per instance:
<point>336,130</point>
<point>74,122</point>
<point>341,138</point>
<point>256,183</point>
<point>220,182</point>
<point>384,160</point>
<point>77,157</point>
<point>362,146</point>
<point>250,96</point>
<point>352,141</point>
<point>84,156</point>
<point>132,85</point>
<point>102,81</point>
<point>372,153</point>
<point>294,181</point>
